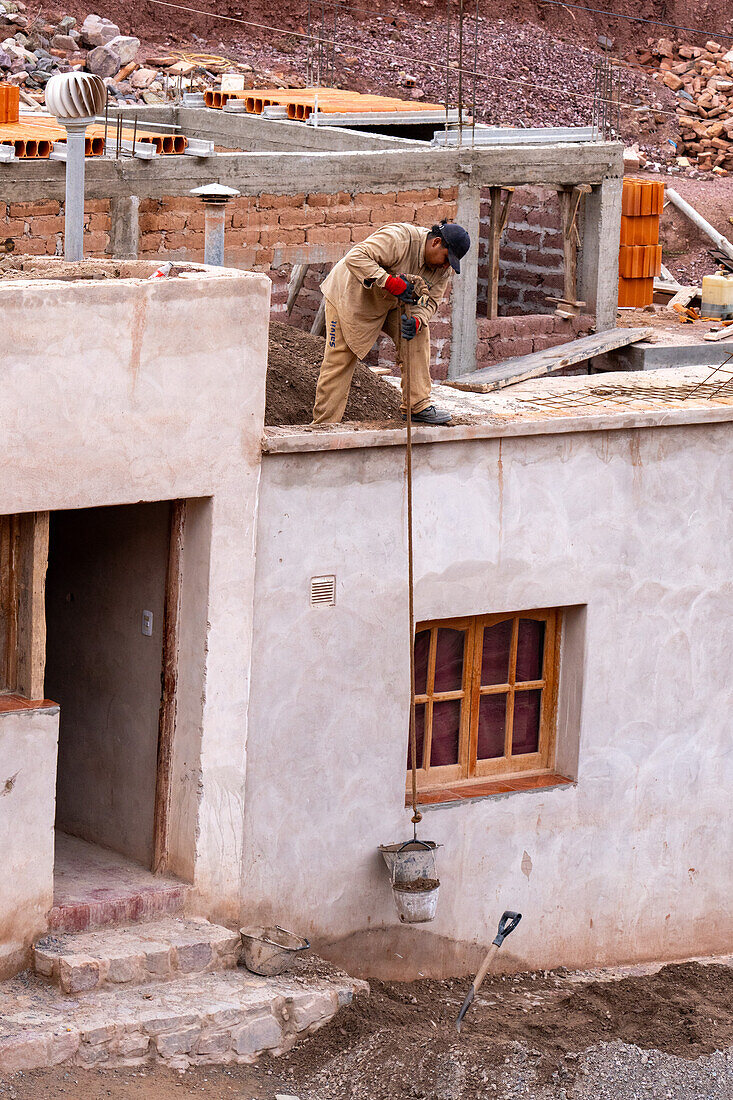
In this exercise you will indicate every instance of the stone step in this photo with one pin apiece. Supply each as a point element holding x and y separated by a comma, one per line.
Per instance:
<point>216,1018</point>
<point>135,954</point>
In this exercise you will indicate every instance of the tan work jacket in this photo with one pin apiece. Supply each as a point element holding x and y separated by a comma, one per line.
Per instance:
<point>354,285</point>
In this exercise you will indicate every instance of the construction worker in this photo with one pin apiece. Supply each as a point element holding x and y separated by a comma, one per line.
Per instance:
<point>399,263</point>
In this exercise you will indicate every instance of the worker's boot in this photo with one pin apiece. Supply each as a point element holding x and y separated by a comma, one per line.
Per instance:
<point>430,415</point>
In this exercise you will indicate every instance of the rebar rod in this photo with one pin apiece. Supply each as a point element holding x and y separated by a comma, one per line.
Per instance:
<point>460,72</point>
<point>475,67</point>
<point>447,61</point>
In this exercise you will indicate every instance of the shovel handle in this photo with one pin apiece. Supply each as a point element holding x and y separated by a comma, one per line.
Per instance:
<point>507,924</point>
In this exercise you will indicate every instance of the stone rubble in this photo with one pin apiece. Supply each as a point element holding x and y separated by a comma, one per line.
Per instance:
<point>702,79</point>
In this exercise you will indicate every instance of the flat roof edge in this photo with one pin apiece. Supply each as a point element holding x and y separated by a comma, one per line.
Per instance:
<point>286,440</point>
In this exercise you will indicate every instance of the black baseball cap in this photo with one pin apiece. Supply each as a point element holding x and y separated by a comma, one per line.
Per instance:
<point>456,240</point>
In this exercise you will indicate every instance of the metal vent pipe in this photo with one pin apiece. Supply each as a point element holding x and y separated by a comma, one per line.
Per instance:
<point>75,99</point>
<point>214,196</point>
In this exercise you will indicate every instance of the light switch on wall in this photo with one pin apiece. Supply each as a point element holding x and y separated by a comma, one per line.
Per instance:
<point>147,624</point>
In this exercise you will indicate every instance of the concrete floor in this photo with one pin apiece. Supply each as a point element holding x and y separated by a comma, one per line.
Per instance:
<point>95,887</point>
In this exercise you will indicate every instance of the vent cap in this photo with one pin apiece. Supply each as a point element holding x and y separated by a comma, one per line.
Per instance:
<point>323,591</point>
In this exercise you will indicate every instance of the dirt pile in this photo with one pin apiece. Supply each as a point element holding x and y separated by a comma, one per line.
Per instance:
<point>400,1043</point>
<point>293,365</point>
<point>702,79</point>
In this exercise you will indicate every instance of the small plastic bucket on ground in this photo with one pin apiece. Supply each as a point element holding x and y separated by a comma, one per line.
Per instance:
<point>270,951</point>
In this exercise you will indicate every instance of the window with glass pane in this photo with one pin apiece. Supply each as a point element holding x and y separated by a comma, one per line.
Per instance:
<point>441,713</point>
<point>484,694</point>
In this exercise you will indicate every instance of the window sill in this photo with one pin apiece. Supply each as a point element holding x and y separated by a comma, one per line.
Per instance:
<point>12,703</point>
<point>465,792</point>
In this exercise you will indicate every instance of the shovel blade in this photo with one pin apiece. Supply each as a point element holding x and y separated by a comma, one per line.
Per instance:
<point>465,1007</point>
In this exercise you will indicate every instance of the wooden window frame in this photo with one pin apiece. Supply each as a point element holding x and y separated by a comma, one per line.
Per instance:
<point>470,771</point>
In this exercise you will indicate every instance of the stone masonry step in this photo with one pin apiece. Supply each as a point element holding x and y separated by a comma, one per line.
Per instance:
<point>218,1018</point>
<point>136,954</point>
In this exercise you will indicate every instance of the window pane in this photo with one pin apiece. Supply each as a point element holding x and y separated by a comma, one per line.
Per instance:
<point>530,648</point>
<point>449,660</point>
<point>495,656</point>
<point>422,652</point>
<point>491,726</point>
<point>446,724</point>
<point>526,732</point>
<point>419,736</point>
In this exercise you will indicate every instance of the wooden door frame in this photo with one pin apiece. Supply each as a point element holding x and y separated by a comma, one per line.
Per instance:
<point>169,685</point>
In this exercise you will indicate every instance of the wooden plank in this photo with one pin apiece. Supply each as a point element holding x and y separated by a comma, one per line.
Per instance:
<point>8,602</point>
<point>497,224</point>
<point>319,324</point>
<point>524,367</point>
<point>683,296</point>
<point>169,677</point>
<point>667,276</point>
<point>31,598</point>
<point>722,334</point>
<point>569,198</point>
<point>297,278</point>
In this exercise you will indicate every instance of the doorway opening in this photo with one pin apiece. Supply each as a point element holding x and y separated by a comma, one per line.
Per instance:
<point>112,606</point>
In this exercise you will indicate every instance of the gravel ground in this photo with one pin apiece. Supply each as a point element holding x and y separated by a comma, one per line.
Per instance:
<point>617,1071</point>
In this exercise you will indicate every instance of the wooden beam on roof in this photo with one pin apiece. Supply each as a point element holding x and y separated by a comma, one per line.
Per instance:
<point>524,367</point>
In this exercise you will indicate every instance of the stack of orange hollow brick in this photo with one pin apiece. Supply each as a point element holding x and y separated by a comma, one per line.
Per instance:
<point>640,253</point>
<point>9,103</point>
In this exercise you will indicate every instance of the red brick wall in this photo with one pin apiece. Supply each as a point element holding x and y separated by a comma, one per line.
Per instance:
<point>530,259</point>
<point>37,228</point>
<point>507,337</point>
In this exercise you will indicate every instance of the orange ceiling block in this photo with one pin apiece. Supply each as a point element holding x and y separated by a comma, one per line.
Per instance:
<point>642,197</point>
<point>635,293</point>
<point>639,261</point>
<point>641,230</point>
<point>9,102</point>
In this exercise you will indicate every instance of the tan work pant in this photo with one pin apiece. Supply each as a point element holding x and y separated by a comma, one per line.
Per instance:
<point>339,362</point>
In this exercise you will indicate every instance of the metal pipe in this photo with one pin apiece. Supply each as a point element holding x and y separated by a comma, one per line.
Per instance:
<point>74,203</point>
<point>214,234</point>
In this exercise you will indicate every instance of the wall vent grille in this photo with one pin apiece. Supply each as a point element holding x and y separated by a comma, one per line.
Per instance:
<point>323,591</point>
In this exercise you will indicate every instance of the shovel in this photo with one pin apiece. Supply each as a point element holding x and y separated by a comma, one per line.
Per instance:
<point>507,924</point>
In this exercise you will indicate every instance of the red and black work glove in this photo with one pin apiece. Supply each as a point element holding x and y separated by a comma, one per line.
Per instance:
<point>401,287</point>
<point>409,327</point>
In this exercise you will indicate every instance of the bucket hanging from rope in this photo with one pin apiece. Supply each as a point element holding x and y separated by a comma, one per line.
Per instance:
<point>412,865</point>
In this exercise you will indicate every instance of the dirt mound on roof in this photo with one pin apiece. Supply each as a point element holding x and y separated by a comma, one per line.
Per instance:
<point>293,365</point>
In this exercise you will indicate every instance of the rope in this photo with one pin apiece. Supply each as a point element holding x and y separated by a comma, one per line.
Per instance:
<point>406,366</point>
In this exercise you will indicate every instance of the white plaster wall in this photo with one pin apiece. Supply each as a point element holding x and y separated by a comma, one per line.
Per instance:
<point>28,740</point>
<point>632,862</point>
<point>117,391</point>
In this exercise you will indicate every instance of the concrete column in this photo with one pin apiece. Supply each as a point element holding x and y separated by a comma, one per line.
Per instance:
<point>599,255</point>
<point>124,228</point>
<point>465,285</point>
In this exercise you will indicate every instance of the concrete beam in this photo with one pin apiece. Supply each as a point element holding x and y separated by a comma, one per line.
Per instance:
<point>465,286</point>
<point>292,173</point>
<point>251,133</point>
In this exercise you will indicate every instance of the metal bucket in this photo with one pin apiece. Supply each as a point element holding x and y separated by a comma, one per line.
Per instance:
<point>415,884</point>
<point>416,906</point>
<point>270,951</point>
<point>414,859</point>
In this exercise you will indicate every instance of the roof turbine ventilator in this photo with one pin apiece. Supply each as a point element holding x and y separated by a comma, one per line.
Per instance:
<point>75,99</point>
